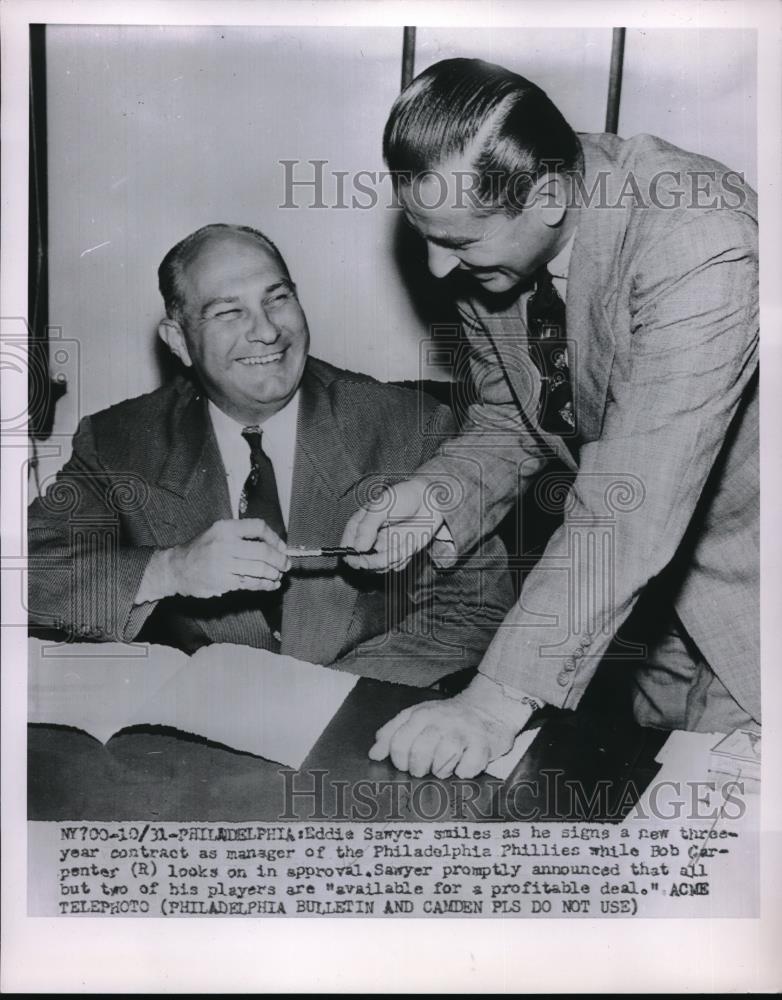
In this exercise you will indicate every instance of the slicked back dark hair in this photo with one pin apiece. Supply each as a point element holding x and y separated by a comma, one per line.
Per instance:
<point>173,265</point>
<point>518,133</point>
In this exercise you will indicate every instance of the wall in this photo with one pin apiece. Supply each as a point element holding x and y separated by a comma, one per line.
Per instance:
<point>154,131</point>
<point>695,88</point>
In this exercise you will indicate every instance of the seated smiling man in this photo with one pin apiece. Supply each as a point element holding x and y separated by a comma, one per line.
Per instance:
<point>174,518</point>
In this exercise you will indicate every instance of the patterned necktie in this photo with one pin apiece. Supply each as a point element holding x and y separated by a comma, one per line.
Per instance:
<point>547,332</point>
<point>259,494</point>
<point>259,498</point>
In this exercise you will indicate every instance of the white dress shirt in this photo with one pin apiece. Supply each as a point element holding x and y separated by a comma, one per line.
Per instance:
<point>558,267</point>
<point>278,441</point>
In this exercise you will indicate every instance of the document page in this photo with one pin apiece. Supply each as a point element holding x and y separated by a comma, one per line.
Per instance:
<point>248,699</point>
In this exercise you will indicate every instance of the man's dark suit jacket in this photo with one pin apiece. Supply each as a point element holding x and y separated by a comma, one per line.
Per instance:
<point>147,474</point>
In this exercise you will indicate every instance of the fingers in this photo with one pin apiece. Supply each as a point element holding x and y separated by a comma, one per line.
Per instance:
<point>443,738</point>
<point>256,529</point>
<point>474,760</point>
<point>351,529</point>
<point>381,747</point>
<point>361,533</point>
<point>379,560</point>
<point>447,755</point>
<point>229,555</point>
<point>421,751</point>
<point>462,754</point>
<point>395,546</point>
<point>413,745</point>
<point>261,553</point>
<point>402,543</point>
<point>258,568</point>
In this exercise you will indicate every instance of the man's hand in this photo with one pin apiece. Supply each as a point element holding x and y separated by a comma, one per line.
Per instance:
<point>401,523</point>
<point>458,736</point>
<point>243,554</point>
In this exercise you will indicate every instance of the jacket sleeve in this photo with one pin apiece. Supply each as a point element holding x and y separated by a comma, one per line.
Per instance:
<point>439,620</point>
<point>488,465</point>
<point>448,618</point>
<point>694,350</point>
<point>82,575</point>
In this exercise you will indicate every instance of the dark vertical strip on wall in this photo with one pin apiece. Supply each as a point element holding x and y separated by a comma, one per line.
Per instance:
<point>37,277</point>
<point>42,392</point>
<point>615,80</point>
<point>408,56</point>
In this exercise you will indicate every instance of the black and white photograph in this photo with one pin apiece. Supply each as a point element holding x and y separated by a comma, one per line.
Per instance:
<point>383,435</point>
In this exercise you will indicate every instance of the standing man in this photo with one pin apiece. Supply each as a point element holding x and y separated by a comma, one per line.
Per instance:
<point>608,289</point>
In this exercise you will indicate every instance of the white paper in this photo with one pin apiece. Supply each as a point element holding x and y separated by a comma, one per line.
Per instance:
<point>685,758</point>
<point>248,699</point>
<point>503,766</point>
<point>684,754</point>
<point>96,687</point>
<point>251,700</point>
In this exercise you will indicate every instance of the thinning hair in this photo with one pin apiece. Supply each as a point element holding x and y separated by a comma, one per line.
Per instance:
<point>516,134</point>
<point>172,268</point>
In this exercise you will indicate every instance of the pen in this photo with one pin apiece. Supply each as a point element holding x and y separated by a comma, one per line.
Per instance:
<point>301,552</point>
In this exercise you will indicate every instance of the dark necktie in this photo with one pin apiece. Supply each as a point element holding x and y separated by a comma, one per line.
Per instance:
<point>547,332</point>
<point>259,498</point>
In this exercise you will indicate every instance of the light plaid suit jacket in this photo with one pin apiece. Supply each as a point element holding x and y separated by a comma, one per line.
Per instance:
<point>662,318</point>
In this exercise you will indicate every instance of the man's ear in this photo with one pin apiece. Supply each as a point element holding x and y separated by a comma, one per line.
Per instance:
<point>173,336</point>
<point>550,196</point>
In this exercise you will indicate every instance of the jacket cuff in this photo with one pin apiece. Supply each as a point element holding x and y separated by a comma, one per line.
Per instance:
<point>509,706</point>
<point>558,680</point>
<point>131,616</point>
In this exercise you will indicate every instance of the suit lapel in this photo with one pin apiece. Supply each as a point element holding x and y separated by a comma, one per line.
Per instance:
<point>191,491</point>
<point>507,331</point>
<point>592,344</point>
<point>319,599</point>
<point>592,282</point>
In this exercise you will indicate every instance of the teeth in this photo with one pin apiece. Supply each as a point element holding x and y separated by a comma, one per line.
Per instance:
<point>267,359</point>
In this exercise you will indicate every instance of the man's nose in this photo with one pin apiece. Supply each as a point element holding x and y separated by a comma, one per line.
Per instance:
<point>441,260</point>
<point>262,329</point>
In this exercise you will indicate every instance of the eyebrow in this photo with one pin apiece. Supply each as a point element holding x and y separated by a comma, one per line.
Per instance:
<point>233,299</point>
<point>440,241</point>
<point>282,283</point>
<point>453,243</point>
<point>218,300</point>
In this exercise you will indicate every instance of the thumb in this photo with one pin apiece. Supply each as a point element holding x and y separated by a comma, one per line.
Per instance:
<point>362,530</point>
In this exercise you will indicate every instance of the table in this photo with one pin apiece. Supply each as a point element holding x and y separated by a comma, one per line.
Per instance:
<point>586,765</point>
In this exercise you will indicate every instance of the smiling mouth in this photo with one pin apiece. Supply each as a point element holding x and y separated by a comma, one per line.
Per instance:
<point>264,359</point>
<point>480,272</point>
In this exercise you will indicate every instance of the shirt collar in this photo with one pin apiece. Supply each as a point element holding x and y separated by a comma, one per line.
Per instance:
<point>560,265</point>
<point>226,428</point>
<point>284,418</point>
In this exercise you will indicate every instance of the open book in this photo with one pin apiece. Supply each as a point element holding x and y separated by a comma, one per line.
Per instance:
<point>248,699</point>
